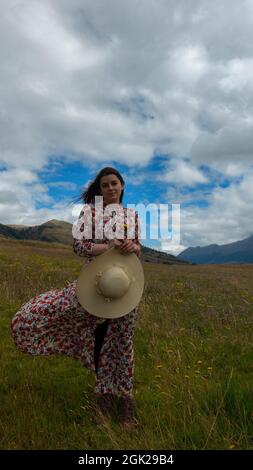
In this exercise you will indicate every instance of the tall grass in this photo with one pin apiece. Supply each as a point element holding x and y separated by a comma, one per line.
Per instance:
<point>193,382</point>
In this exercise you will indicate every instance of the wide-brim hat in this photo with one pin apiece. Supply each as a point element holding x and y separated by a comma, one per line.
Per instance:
<point>111,285</point>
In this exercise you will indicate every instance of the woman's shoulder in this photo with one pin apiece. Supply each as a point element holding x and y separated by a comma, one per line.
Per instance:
<point>86,211</point>
<point>87,206</point>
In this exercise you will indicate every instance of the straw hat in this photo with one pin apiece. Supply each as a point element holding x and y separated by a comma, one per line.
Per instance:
<point>111,285</point>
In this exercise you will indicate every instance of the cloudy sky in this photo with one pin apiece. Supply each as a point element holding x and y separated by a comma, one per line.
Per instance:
<point>160,89</point>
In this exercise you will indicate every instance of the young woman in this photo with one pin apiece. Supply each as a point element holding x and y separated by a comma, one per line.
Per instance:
<point>55,323</point>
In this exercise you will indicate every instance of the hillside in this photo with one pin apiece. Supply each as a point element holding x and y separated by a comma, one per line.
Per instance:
<point>57,231</point>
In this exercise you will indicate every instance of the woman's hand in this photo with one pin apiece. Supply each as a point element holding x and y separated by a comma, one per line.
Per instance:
<point>128,246</point>
<point>115,243</point>
<point>124,246</point>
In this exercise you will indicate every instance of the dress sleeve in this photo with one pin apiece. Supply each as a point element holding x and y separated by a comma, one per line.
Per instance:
<point>83,246</point>
<point>137,232</point>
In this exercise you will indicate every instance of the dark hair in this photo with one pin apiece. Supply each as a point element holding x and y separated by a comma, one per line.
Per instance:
<point>93,189</point>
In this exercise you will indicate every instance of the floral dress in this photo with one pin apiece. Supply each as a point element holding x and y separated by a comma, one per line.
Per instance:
<point>55,323</point>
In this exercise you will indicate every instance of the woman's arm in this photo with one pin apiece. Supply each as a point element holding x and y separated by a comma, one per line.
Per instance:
<point>86,246</point>
<point>99,248</point>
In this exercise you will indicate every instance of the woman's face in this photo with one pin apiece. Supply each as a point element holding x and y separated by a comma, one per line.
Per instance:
<point>111,189</point>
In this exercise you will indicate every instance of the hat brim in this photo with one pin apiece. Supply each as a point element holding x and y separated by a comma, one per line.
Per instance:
<point>95,303</point>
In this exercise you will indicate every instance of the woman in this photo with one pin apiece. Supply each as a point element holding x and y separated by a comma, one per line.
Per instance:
<point>55,323</point>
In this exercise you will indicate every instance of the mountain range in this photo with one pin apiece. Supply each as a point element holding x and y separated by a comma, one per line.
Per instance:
<point>239,252</point>
<point>57,231</point>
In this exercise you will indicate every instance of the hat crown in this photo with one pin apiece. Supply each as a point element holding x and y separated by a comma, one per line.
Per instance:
<point>113,282</point>
<point>120,277</point>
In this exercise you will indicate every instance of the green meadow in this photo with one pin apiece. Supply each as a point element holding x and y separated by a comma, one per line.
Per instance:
<point>193,381</point>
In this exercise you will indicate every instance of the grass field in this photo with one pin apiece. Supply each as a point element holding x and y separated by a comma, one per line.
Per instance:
<point>193,380</point>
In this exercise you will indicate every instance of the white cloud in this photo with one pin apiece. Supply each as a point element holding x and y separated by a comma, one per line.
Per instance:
<point>230,149</point>
<point>92,81</point>
<point>100,81</point>
<point>188,64</point>
<point>181,172</point>
<point>228,218</point>
<point>172,249</point>
<point>239,73</point>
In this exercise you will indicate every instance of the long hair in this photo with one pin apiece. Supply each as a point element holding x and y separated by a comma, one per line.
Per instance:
<point>93,189</point>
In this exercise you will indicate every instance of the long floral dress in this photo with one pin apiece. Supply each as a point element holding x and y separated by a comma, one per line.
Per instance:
<point>55,323</point>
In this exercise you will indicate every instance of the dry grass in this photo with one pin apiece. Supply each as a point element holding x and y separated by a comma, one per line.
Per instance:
<point>193,360</point>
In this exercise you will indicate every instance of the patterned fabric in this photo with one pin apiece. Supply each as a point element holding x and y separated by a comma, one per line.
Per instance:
<point>129,220</point>
<point>55,323</point>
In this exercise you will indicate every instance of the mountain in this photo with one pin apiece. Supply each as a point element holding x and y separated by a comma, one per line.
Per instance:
<point>57,231</point>
<point>236,252</point>
<point>51,231</point>
<point>154,256</point>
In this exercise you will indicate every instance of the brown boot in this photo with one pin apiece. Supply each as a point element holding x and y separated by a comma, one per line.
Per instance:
<point>104,404</point>
<point>126,413</point>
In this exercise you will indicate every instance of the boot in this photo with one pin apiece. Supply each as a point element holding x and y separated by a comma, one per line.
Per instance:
<point>104,404</point>
<point>126,413</point>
